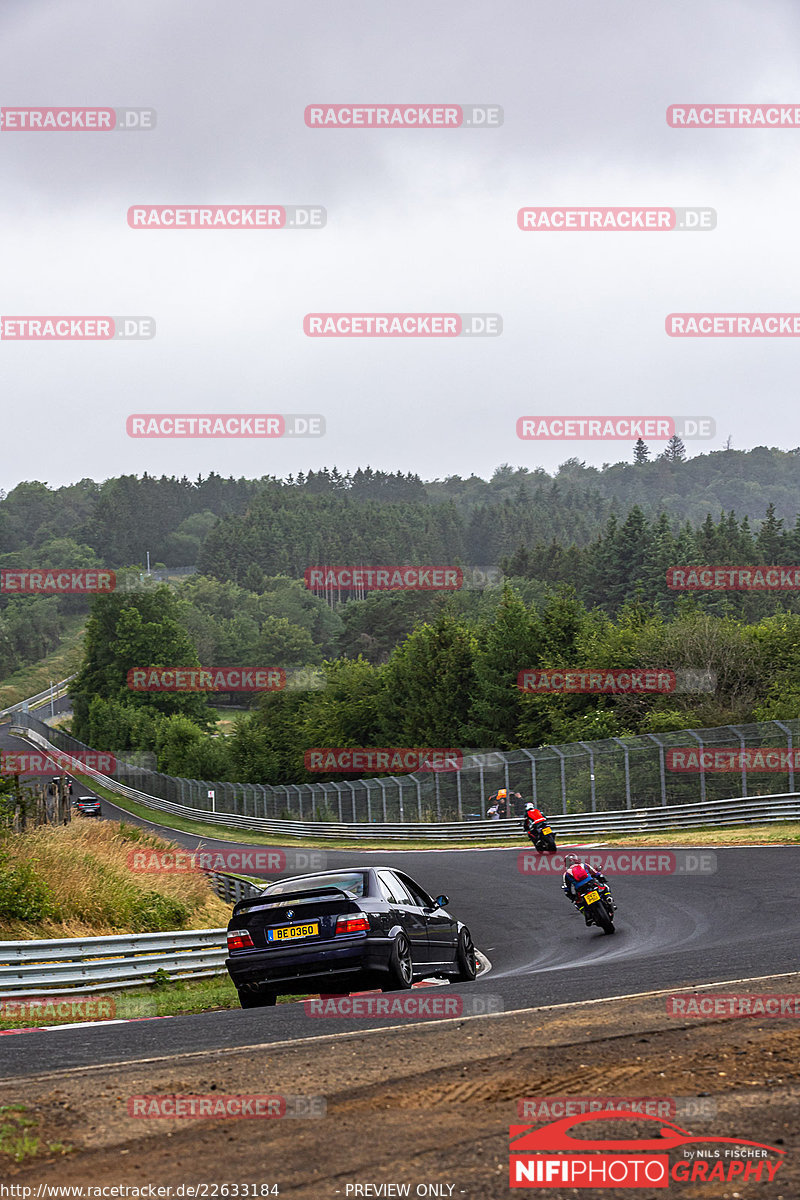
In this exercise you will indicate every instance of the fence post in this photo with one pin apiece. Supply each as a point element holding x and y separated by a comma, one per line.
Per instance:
<point>740,736</point>
<point>400,796</point>
<point>660,745</point>
<point>590,752</point>
<point>563,780</point>
<point>627,772</point>
<point>532,757</point>
<point>698,739</point>
<point>788,733</point>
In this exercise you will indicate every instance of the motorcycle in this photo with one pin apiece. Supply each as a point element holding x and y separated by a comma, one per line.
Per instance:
<point>599,905</point>
<point>542,837</point>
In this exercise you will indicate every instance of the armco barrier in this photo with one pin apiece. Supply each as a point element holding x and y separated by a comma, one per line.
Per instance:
<point>66,965</point>
<point>56,692</point>
<point>728,812</point>
<point>578,777</point>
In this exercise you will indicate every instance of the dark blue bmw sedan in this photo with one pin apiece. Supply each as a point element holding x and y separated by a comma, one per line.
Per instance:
<point>343,931</point>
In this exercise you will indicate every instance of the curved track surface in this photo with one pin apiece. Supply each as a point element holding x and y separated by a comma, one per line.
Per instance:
<point>673,931</point>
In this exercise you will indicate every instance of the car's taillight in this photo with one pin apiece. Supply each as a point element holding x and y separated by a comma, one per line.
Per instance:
<point>239,939</point>
<point>359,924</point>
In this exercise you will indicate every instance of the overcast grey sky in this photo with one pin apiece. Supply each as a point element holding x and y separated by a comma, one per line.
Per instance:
<point>417,221</point>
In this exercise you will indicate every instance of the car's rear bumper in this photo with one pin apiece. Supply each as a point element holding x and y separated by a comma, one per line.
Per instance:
<point>309,968</point>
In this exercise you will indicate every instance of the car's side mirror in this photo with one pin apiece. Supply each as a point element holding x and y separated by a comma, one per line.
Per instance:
<point>442,901</point>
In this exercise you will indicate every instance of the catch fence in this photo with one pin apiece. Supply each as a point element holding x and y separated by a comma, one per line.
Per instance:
<point>580,777</point>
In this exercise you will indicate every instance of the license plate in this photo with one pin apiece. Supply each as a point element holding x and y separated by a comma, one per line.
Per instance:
<point>547,829</point>
<point>290,933</point>
<point>590,897</point>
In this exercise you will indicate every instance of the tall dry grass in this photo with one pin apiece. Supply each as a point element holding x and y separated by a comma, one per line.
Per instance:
<point>91,888</point>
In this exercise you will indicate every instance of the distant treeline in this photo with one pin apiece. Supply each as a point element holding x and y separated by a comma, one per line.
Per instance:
<point>281,526</point>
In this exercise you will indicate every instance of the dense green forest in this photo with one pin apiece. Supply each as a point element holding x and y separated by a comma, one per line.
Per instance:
<point>283,525</point>
<point>450,682</point>
<point>610,533</point>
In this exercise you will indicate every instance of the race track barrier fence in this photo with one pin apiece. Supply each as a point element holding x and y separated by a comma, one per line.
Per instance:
<point>62,966</point>
<point>55,693</point>
<point>639,818</point>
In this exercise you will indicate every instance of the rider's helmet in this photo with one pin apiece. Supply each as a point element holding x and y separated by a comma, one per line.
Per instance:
<point>501,795</point>
<point>529,807</point>
<point>571,860</point>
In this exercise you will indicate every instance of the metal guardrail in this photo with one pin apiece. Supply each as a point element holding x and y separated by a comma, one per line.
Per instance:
<point>67,965</point>
<point>233,888</point>
<point>57,691</point>
<point>716,813</point>
<point>590,776</point>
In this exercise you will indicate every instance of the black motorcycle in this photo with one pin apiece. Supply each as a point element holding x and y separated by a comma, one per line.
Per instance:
<point>542,837</point>
<point>597,902</point>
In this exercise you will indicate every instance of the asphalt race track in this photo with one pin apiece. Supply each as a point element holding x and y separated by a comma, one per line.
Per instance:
<point>673,930</point>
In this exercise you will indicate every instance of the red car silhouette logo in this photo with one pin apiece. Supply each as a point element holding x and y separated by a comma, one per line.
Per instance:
<point>556,1136</point>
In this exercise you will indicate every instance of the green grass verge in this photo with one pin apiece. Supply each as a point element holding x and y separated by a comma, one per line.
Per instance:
<point>17,1138</point>
<point>780,833</point>
<point>63,661</point>
<point>163,999</point>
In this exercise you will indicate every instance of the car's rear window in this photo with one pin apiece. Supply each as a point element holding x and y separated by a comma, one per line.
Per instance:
<point>351,882</point>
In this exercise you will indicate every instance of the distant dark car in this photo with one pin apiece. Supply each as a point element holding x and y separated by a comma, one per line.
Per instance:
<point>342,931</point>
<point>89,806</point>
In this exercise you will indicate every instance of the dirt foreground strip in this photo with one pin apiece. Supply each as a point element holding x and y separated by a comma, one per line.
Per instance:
<point>428,1103</point>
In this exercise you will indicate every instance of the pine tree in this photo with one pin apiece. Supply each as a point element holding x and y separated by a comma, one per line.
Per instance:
<point>674,451</point>
<point>641,452</point>
<point>510,643</point>
<point>771,538</point>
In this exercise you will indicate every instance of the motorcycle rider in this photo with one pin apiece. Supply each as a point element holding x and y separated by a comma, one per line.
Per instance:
<point>575,877</point>
<point>533,817</point>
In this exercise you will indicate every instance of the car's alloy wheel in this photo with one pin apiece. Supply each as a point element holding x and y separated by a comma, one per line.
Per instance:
<point>401,966</point>
<point>466,958</point>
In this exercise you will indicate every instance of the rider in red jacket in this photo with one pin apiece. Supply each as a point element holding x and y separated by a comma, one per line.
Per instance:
<point>575,880</point>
